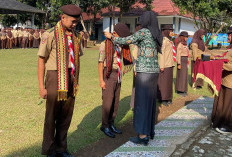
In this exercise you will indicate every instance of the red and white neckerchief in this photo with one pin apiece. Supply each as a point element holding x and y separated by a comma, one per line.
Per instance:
<point>119,64</point>
<point>71,52</point>
<point>224,54</point>
<point>173,51</point>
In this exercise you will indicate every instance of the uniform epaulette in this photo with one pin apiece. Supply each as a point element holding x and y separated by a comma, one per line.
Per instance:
<point>50,30</point>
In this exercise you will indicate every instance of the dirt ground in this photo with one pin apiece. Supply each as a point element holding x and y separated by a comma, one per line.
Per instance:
<point>107,145</point>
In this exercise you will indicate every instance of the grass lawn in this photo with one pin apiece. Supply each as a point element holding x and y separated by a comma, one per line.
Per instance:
<point>21,118</point>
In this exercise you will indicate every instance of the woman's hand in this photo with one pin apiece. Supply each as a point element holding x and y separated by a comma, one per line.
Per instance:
<point>108,35</point>
<point>179,66</point>
<point>161,69</point>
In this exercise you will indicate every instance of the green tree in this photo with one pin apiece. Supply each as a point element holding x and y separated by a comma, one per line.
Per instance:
<point>148,4</point>
<point>9,20</point>
<point>211,15</point>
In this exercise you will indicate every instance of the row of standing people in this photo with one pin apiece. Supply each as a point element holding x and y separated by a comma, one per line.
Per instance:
<point>20,38</point>
<point>153,77</point>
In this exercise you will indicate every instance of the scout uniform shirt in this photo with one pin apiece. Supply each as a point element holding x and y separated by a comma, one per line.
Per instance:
<point>182,51</point>
<point>227,72</point>
<point>166,58</point>
<point>15,33</point>
<point>20,33</point>
<point>47,49</point>
<point>102,56</point>
<point>25,34</point>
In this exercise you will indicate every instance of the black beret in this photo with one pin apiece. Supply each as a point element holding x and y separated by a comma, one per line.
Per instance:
<point>229,30</point>
<point>122,30</point>
<point>184,33</point>
<point>71,10</point>
<point>168,27</point>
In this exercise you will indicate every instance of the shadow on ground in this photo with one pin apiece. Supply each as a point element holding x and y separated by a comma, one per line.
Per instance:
<point>87,132</point>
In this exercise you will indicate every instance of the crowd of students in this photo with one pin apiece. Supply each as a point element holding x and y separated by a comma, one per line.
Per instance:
<point>20,38</point>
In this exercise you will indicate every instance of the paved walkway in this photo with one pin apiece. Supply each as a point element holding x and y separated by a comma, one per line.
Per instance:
<point>206,143</point>
<point>172,131</point>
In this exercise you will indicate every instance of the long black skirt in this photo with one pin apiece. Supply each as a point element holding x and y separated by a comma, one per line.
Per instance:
<point>165,88</point>
<point>182,76</point>
<point>145,103</point>
<point>222,108</point>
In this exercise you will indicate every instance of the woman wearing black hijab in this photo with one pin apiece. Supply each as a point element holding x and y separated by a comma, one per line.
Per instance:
<point>198,47</point>
<point>149,41</point>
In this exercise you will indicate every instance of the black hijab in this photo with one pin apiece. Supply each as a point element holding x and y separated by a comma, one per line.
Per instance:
<point>197,39</point>
<point>149,20</point>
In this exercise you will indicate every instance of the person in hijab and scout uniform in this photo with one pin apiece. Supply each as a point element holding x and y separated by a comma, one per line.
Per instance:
<point>110,76</point>
<point>36,39</point>
<point>30,38</point>
<point>10,39</point>
<point>222,108</point>
<point>182,64</point>
<point>20,37</point>
<point>59,56</point>
<point>166,62</point>
<point>15,37</point>
<point>198,48</point>
<point>149,41</point>
<point>3,39</point>
<point>25,38</point>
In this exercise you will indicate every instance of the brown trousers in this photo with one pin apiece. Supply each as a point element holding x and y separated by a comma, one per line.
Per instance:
<point>15,41</point>
<point>110,97</point>
<point>222,108</point>
<point>3,43</point>
<point>24,42</point>
<point>20,42</point>
<point>165,88</point>
<point>10,43</point>
<point>58,116</point>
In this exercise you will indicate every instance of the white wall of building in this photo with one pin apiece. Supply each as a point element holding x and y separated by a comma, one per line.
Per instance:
<point>180,23</point>
<point>164,20</point>
<point>188,25</point>
<point>106,24</point>
<point>130,21</point>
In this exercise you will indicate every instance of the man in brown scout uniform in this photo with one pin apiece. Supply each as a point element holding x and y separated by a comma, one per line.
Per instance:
<point>20,37</point>
<point>62,65</point>
<point>109,69</point>
<point>15,36</point>
<point>3,39</point>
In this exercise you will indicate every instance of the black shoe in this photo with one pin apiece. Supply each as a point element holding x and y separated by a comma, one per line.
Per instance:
<point>165,103</point>
<point>63,154</point>
<point>199,87</point>
<point>115,130</point>
<point>224,130</point>
<point>152,135</point>
<point>107,132</point>
<point>138,140</point>
<point>169,102</point>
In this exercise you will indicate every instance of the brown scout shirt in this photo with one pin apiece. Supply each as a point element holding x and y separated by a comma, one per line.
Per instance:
<point>20,33</point>
<point>15,33</point>
<point>182,50</point>
<point>102,56</point>
<point>166,58</point>
<point>196,52</point>
<point>25,34</point>
<point>227,79</point>
<point>47,49</point>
